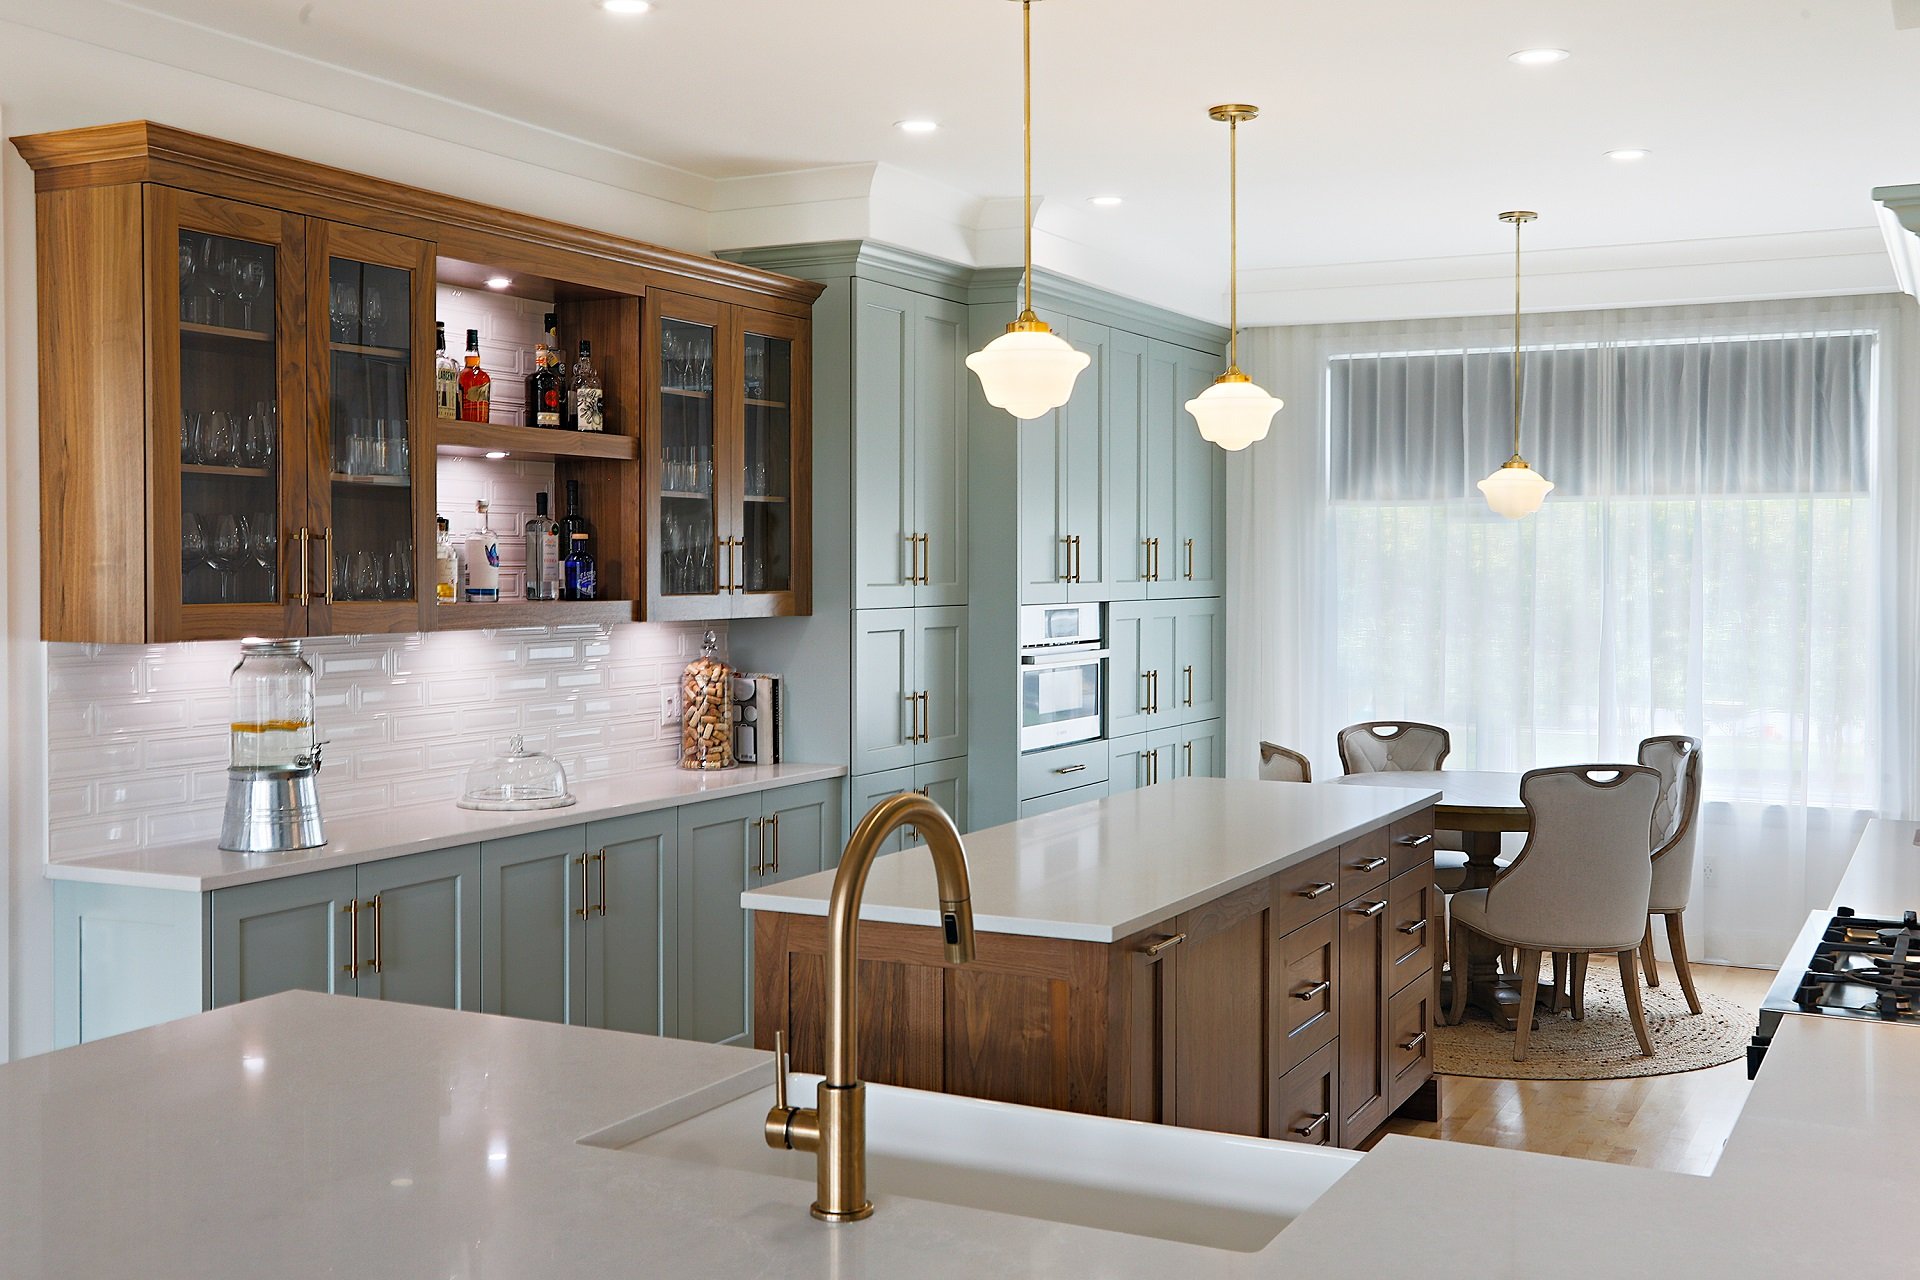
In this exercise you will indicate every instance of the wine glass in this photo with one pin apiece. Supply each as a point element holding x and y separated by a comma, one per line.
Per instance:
<point>266,413</point>
<point>263,545</point>
<point>202,302</point>
<point>219,444</point>
<point>226,553</point>
<point>189,450</point>
<point>249,283</point>
<point>373,315</point>
<point>253,442</point>
<point>193,550</point>
<point>343,307</point>
<point>366,577</point>
<point>215,269</point>
<point>189,279</point>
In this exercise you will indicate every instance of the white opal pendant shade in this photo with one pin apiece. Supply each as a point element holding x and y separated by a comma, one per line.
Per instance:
<point>1516,490</point>
<point>1028,372</point>
<point>1233,412</point>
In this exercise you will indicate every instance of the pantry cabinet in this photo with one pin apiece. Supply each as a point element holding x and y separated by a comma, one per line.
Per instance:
<point>1166,664</point>
<point>944,782</point>
<point>909,673</point>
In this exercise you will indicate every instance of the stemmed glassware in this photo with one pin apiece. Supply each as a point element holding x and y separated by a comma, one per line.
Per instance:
<point>249,283</point>
<point>193,553</point>
<point>343,308</point>
<point>263,543</point>
<point>226,552</point>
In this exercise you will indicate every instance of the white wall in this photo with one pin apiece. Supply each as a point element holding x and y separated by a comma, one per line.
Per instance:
<point>50,82</point>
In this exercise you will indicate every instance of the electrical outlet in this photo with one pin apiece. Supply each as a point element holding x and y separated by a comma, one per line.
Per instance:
<point>669,704</point>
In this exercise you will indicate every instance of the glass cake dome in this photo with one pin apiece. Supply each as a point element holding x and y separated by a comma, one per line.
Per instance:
<point>517,779</point>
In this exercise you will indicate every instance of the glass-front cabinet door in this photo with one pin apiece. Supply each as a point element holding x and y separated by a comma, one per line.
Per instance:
<point>370,294</point>
<point>228,417</point>
<point>769,522</point>
<point>691,552</point>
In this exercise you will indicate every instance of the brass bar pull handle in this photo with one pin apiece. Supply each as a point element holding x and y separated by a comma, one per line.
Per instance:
<point>774,822</point>
<point>734,558</point>
<point>1066,558</point>
<point>1319,889</point>
<point>1369,864</point>
<point>601,858</point>
<point>759,839</point>
<point>926,716</point>
<point>1419,1039</point>
<point>719,563</point>
<point>1156,559</point>
<point>305,538</point>
<point>1189,685</point>
<point>1189,756</point>
<point>352,912</point>
<point>1146,545</point>
<point>913,713</point>
<point>379,942</point>
<point>1189,559</point>
<point>1076,557</point>
<point>1307,1130</point>
<point>1165,944</point>
<point>1415,927</point>
<point>1371,909</point>
<point>926,559</point>
<point>1071,768</point>
<point>327,552</point>
<point>1308,993</point>
<point>1146,693</point>
<point>1414,842</point>
<point>913,557</point>
<point>585,908</point>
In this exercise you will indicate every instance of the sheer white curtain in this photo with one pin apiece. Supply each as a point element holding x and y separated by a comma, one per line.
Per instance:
<point>1727,554</point>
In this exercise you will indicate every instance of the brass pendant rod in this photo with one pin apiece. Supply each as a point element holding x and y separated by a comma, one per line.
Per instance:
<point>1026,128</point>
<point>1233,243</point>
<point>1517,222</point>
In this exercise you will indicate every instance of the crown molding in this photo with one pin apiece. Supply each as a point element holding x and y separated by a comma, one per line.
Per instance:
<point>1898,209</point>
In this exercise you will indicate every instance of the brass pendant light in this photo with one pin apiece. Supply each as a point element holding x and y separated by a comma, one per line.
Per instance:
<point>1516,490</point>
<point>1029,370</point>
<point>1233,412</point>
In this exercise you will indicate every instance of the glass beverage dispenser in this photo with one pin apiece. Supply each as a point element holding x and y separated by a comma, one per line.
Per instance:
<point>273,803</point>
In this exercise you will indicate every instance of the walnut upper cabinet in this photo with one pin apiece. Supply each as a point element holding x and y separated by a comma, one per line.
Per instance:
<point>237,434</point>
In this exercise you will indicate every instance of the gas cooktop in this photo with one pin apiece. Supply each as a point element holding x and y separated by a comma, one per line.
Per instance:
<point>1846,966</point>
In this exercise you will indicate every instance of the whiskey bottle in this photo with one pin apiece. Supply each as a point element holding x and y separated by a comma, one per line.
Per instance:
<point>543,553</point>
<point>446,564</point>
<point>476,385</point>
<point>589,399</point>
<point>544,404</point>
<point>446,375</point>
<point>573,522</point>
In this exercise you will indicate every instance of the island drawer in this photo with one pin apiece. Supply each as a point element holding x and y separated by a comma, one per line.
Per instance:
<point>1365,866</point>
<point>1305,1015</point>
<point>1306,1100</point>
<point>1064,768</point>
<point>1415,919</point>
<point>1307,891</point>
<point>1409,1043</point>
<point>1412,842</point>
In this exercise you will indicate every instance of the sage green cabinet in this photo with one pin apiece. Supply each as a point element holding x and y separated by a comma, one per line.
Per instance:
<point>1124,563</point>
<point>1186,479</point>
<point>944,782</point>
<point>623,938</point>
<point>1199,647</point>
<point>909,448</point>
<point>1203,749</point>
<point>405,929</point>
<point>909,687</point>
<point>1143,690</point>
<point>1067,524</point>
<point>1179,751</point>
<point>1034,806</point>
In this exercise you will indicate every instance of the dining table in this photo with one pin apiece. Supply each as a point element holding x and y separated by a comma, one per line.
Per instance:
<point>1481,805</point>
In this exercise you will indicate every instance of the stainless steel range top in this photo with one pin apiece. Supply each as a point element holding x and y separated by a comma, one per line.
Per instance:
<point>1845,965</point>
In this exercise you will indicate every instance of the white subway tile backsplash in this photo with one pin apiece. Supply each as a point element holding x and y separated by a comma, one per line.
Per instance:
<point>138,734</point>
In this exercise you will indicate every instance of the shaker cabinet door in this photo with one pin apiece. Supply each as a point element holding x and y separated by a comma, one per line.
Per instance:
<point>940,661</point>
<point>425,926</point>
<point>713,857</point>
<point>1042,445</point>
<point>886,709</point>
<point>885,396</point>
<point>1192,565</point>
<point>1084,444</point>
<point>630,882</point>
<point>801,834</point>
<point>1197,647</point>
<point>531,893</point>
<point>1123,559</point>
<point>940,450</point>
<point>296,934</point>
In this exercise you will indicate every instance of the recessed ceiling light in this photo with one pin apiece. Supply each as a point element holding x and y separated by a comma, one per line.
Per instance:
<point>1105,202</point>
<point>1624,154</point>
<point>496,454</point>
<point>916,126</point>
<point>1538,57</point>
<point>625,6</point>
<point>499,282</point>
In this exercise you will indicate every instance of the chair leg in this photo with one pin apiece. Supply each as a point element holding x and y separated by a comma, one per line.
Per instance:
<point>1529,994</point>
<point>1559,981</point>
<point>1677,943</point>
<point>1577,986</point>
<point>1457,1006</point>
<point>1630,983</point>
<point>1647,962</point>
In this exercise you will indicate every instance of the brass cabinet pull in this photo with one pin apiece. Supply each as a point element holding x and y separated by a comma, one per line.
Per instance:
<point>759,838</point>
<point>719,563</point>
<point>1189,757</point>
<point>926,559</point>
<point>1415,927</point>
<point>379,943</point>
<point>1419,1039</point>
<point>327,552</point>
<point>1414,842</point>
<point>1071,768</point>
<point>1165,944</point>
<point>913,713</point>
<point>1156,559</point>
<point>601,858</point>
<point>352,911</point>
<point>913,557</point>
<point>1308,993</point>
<point>1066,557</point>
<point>1306,1130</point>
<point>1146,545</point>
<point>774,822</point>
<point>735,547</point>
<point>926,716</point>
<point>1371,909</point>
<point>1319,889</point>
<point>1076,557</point>
<point>1369,864</point>
<point>1189,685</point>
<point>1189,559</point>
<point>305,538</point>
<point>585,908</point>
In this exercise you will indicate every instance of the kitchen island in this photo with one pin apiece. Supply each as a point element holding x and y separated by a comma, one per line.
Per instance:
<point>1248,957</point>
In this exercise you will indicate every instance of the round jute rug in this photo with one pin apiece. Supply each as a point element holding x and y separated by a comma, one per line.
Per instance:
<point>1603,1046</point>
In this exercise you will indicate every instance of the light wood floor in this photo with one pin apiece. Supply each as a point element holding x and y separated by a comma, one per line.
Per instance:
<point>1676,1122</point>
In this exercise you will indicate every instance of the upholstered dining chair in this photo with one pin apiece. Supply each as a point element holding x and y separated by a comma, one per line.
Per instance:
<point>1677,759</point>
<point>1407,746</point>
<point>1578,886</point>
<point>1282,764</point>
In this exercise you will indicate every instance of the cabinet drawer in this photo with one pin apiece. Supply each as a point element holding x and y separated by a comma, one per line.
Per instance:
<point>1306,998</point>
<point>1409,1045</point>
<point>1063,768</point>
<point>1309,890</point>
<point>1305,1102</point>
<point>1062,800</point>
<point>1412,843</point>
<point>1365,866</point>
<point>1414,922</point>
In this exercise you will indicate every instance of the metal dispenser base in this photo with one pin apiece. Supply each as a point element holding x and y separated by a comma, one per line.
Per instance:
<point>271,811</point>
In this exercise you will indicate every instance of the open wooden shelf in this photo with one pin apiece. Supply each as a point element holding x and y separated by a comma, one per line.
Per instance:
<point>222,331</point>
<point>691,393</point>
<point>477,438</point>
<point>530,613</point>
<point>383,353</point>
<point>687,497</point>
<point>209,469</point>
<point>393,482</point>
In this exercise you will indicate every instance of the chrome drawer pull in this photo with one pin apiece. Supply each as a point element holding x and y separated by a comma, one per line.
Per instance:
<point>1371,909</point>
<point>1413,1044</point>
<point>1414,842</point>
<point>1308,993</point>
<point>1317,890</point>
<point>1306,1130</point>
<point>1369,864</point>
<point>1415,927</point>
<point>1165,944</point>
<point>1071,768</point>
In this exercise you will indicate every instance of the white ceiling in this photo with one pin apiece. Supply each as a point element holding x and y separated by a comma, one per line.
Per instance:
<point>1392,132</point>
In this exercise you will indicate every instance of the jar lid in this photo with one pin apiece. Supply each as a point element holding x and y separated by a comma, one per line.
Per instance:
<point>254,647</point>
<point>517,779</point>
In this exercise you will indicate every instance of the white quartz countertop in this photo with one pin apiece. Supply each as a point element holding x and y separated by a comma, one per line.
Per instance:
<point>197,868</point>
<point>1100,871</point>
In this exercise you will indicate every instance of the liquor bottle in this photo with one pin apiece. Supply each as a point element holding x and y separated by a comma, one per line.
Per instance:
<point>589,398</point>
<point>543,553</point>
<point>580,576</point>
<point>573,522</point>
<point>446,564</point>
<point>476,384</point>
<point>446,374</point>
<point>544,405</point>
<point>482,562</point>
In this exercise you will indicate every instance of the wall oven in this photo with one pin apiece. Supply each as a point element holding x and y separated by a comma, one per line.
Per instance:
<point>1063,675</point>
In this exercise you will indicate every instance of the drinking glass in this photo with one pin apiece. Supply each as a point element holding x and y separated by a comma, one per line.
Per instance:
<point>343,307</point>
<point>226,552</point>
<point>267,415</point>
<point>377,448</point>
<point>218,440</point>
<point>263,545</point>
<point>249,283</point>
<point>205,305</point>
<point>366,576</point>
<point>189,450</point>
<point>193,552</point>
<point>373,317</point>
<point>189,279</point>
<point>253,442</point>
<point>670,357</point>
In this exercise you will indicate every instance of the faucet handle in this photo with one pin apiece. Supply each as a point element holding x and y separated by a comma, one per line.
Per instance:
<point>788,1127</point>
<point>780,1070</point>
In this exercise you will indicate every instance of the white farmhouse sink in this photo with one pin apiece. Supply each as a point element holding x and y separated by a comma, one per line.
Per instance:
<point>1118,1175</point>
